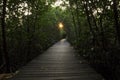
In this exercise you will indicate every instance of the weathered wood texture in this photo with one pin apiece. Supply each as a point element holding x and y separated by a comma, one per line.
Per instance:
<point>57,63</point>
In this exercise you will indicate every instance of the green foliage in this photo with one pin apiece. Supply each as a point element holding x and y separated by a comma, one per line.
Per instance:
<point>95,33</point>
<point>91,26</point>
<point>31,28</point>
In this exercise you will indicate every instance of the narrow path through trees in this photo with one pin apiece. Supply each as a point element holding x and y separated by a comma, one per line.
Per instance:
<point>57,63</point>
<point>29,27</point>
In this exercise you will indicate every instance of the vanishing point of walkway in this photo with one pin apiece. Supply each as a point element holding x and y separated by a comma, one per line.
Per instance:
<point>57,63</point>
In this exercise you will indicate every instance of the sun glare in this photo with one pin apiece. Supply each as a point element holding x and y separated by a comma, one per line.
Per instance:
<point>61,25</point>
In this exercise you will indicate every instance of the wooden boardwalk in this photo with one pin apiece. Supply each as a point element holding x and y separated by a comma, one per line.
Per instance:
<point>57,63</point>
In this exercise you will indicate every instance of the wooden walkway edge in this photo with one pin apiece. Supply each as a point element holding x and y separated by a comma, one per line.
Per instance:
<point>57,63</point>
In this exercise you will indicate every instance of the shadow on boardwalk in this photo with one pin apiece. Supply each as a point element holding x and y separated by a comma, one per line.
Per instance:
<point>57,63</point>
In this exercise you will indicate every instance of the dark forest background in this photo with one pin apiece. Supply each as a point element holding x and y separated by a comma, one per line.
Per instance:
<point>29,27</point>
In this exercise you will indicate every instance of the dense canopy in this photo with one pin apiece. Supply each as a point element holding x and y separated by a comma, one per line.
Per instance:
<point>29,27</point>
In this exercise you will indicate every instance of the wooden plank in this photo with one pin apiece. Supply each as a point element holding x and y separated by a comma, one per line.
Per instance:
<point>58,63</point>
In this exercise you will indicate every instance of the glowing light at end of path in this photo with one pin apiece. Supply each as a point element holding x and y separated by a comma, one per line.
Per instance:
<point>61,25</point>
